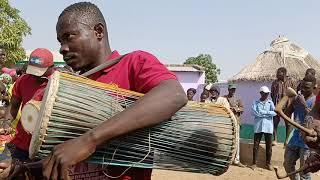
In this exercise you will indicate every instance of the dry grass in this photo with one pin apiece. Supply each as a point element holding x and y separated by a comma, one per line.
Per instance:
<point>283,53</point>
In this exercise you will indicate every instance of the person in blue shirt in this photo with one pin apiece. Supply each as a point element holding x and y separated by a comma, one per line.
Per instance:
<point>263,112</point>
<point>296,148</point>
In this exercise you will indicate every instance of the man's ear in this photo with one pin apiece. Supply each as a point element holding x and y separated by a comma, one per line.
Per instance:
<point>99,30</point>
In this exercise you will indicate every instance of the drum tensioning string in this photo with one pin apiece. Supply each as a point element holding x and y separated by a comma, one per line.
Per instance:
<point>166,140</point>
<point>177,130</point>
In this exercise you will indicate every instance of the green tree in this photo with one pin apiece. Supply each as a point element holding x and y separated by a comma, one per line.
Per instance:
<point>12,31</point>
<point>205,61</point>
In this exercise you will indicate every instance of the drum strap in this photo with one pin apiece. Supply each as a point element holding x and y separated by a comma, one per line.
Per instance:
<point>105,65</point>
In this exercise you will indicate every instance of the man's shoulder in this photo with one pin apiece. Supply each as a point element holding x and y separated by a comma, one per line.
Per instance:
<point>140,54</point>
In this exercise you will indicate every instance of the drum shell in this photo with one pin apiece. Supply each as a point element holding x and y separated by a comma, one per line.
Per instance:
<point>198,138</point>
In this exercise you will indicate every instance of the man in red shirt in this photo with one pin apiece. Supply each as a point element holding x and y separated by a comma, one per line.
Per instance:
<point>82,33</point>
<point>40,67</point>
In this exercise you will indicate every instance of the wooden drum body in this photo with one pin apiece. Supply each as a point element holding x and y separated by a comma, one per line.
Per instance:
<point>198,138</point>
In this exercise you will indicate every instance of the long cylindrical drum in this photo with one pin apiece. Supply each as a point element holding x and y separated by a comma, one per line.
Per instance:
<point>198,138</point>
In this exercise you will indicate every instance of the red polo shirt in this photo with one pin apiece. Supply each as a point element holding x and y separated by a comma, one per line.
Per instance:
<point>138,71</point>
<point>25,88</point>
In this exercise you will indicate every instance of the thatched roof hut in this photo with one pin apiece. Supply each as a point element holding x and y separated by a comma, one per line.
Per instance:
<point>283,53</point>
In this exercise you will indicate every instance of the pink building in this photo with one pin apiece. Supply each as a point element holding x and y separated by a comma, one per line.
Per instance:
<point>190,76</point>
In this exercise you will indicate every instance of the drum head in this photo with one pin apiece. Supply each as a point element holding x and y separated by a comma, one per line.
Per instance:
<point>42,121</point>
<point>29,115</point>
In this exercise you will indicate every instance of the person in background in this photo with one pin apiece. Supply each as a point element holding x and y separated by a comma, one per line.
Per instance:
<point>22,70</point>
<point>296,148</point>
<point>309,72</point>
<point>278,89</point>
<point>214,96</point>
<point>7,80</point>
<point>263,112</point>
<point>236,107</point>
<point>316,88</point>
<point>4,99</point>
<point>3,56</point>
<point>190,93</point>
<point>204,95</point>
<point>40,67</point>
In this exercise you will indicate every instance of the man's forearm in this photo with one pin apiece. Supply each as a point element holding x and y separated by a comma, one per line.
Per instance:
<point>156,106</point>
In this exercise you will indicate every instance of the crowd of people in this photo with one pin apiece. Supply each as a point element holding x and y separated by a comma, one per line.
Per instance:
<point>266,120</point>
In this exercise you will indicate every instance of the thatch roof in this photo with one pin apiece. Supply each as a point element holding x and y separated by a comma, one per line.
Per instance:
<point>283,53</point>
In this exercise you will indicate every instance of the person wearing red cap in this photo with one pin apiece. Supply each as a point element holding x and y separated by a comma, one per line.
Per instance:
<point>40,67</point>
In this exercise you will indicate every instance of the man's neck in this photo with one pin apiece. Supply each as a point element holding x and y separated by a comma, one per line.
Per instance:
<point>263,100</point>
<point>100,59</point>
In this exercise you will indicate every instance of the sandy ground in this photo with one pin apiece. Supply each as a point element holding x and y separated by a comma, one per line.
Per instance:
<point>234,173</point>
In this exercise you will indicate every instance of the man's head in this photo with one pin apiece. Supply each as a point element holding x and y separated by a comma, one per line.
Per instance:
<point>82,33</point>
<point>264,92</point>
<point>3,90</point>
<point>190,93</point>
<point>281,73</point>
<point>40,62</point>
<point>232,89</point>
<point>214,91</point>
<point>307,85</point>
<point>3,54</point>
<point>6,78</point>
<point>204,96</point>
<point>310,72</point>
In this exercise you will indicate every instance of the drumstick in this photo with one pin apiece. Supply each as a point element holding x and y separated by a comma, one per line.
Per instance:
<point>288,174</point>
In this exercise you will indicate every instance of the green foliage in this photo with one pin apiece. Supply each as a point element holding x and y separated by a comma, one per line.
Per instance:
<point>205,61</point>
<point>12,31</point>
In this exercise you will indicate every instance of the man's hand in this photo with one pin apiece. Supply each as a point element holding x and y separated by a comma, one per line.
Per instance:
<point>312,141</point>
<point>5,127</point>
<point>5,168</point>
<point>313,163</point>
<point>64,155</point>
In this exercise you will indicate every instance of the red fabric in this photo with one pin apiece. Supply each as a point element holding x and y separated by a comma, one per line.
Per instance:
<point>41,57</point>
<point>138,71</point>
<point>318,98</point>
<point>25,88</point>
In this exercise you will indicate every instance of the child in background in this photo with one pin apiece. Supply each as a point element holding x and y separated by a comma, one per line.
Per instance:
<point>190,93</point>
<point>7,80</point>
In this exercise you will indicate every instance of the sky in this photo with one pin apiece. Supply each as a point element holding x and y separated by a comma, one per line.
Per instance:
<point>234,32</point>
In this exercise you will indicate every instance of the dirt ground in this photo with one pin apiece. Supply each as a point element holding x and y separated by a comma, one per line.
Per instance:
<point>234,173</point>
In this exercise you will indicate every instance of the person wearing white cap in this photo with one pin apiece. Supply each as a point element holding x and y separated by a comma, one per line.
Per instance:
<point>263,112</point>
